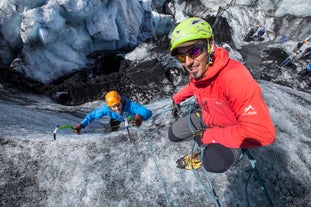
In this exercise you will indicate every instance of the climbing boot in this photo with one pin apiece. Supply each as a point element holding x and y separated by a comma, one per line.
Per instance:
<point>186,163</point>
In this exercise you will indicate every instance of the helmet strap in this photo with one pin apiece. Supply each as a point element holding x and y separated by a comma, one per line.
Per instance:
<point>209,61</point>
<point>210,52</point>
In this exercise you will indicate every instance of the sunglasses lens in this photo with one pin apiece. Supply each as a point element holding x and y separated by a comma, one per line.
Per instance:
<point>194,52</point>
<point>181,58</point>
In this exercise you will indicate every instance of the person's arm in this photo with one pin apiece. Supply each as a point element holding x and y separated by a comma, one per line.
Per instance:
<point>183,94</point>
<point>254,126</point>
<point>180,96</point>
<point>140,110</point>
<point>95,114</point>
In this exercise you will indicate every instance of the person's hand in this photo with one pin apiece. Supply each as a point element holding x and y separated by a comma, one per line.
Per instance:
<point>137,120</point>
<point>176,112</point>
<point>197,137</point>
<point>77,128</point>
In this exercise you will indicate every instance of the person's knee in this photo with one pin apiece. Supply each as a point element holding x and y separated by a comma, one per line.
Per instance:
<point>217,158</point>
<point>172,136</point>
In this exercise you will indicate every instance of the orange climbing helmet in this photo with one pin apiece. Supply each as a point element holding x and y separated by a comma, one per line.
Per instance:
<point>112,98</point>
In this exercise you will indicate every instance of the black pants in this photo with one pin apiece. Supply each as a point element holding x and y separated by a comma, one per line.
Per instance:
<point>216,157</point>
<point>114,124</point>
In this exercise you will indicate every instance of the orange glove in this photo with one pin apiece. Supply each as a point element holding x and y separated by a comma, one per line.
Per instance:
<point>77,128</point>
<point>137,120</point>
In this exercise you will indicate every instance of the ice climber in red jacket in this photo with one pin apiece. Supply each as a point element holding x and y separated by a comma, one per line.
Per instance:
<point>233,114</point>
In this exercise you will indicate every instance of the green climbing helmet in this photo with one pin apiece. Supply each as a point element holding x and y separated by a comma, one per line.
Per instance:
<point>193,28</point>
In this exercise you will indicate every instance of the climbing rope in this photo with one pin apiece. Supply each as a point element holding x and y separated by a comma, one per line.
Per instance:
<point>260,181</point>
<point>128,125</point>
<point>210,190</point>
<point>156,164</point>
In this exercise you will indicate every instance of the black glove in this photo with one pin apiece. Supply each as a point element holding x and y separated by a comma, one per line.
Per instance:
<point>77,128</point>
<point>176,112</point>
<point>137,120</point>
<point>197,137</point>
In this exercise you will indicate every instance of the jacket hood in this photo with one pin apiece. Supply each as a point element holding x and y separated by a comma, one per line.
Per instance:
<point>220,60</point>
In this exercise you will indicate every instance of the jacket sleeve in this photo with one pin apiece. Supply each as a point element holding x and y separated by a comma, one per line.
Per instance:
<point>254,126</point>
<point>95,114</point>
<point>183,94</point>
<point>141,110</point>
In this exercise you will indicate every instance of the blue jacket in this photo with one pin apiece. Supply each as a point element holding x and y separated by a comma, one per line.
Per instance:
<point>129,109</point>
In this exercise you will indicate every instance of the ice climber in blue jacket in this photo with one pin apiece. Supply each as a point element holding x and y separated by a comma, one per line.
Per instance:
<point>119,109</point>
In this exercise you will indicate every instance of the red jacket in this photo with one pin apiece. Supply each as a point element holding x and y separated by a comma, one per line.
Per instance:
<point>232,105</point>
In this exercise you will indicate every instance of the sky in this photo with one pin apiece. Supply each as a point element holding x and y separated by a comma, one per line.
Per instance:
<point>110,169</point>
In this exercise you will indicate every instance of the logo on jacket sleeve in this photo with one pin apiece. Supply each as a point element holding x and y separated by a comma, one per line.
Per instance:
<point>249,110</point>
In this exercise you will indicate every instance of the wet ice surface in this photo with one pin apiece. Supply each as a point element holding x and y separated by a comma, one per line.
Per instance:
<point>109,169</point>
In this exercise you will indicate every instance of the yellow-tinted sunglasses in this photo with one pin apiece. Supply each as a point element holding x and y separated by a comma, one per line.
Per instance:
<point>192,53</point>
